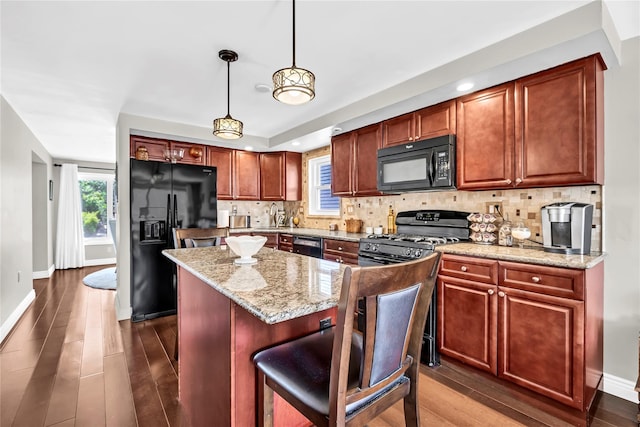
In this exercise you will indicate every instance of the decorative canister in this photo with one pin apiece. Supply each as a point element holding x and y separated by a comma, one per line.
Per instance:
<point>142,153</point>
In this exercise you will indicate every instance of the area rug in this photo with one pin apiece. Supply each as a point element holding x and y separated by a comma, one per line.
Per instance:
<point>101,279</point>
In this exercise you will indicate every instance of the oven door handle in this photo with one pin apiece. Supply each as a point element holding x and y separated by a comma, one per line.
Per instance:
<point>379,259</point>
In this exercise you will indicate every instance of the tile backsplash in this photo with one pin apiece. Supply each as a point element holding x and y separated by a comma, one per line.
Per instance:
<point>518,204</point>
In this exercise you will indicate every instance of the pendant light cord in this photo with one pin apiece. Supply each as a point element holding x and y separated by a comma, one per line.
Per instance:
<point>294,34</point>
<point>228,87</point>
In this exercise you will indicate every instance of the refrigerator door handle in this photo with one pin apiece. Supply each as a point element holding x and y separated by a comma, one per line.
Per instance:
<point>169,220</point>
<point>175,211</point>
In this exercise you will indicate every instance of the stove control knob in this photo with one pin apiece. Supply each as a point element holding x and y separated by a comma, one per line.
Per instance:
<point>418,253</point>
<point>408,252</point>
<point>375,247</point>
<point>367,246</point>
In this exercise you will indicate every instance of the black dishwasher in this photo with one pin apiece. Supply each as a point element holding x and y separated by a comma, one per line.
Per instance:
<point>309,246</point>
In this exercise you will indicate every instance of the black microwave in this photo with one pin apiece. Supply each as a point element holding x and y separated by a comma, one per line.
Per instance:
<point>426,165</point>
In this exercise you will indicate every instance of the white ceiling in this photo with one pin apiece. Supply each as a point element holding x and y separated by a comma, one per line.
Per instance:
<point>69,68</point>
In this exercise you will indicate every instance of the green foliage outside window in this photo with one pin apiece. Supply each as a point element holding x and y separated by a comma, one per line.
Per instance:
<point>94,207</point>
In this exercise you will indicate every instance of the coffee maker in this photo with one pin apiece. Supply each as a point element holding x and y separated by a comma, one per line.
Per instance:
<point>566,227</point>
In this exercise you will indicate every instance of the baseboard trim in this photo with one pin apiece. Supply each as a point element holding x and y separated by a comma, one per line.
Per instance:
<point>103,261</point>
<point>620,387</point>
<point>16,315</point>
<point>44,274</point>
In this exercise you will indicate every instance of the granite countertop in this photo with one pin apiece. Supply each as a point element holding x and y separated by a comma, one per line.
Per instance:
<point>279,287</point>
<point>314,232</point>
<point>528,254</point>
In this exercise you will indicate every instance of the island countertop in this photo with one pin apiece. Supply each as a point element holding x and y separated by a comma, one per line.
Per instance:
<point>280,286</point>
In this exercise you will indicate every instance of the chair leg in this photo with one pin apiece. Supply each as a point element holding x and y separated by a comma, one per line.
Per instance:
<point>264,413</point>
<point>411,404</point>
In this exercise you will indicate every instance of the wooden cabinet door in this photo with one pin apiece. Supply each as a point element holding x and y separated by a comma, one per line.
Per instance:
<point>541,344</point>
<point>155,147</point>
<point>246,175</point>
<point>467,330</point>
<point>194,154</point>
<point>293,176</point>
<point>434,121</point>
<point>398,130</point>
<point>341,164</point>
<point>485,139</point>
<point>367,141</point>
<point>272,176</point>
<point>558,137</point>
<point>222,160</point>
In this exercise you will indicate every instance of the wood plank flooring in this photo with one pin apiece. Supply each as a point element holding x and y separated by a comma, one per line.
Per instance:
<point>68,362</point>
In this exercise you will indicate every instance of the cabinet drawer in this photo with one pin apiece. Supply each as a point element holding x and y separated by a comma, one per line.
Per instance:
<point>470,268</point>
<point>285,239</point>
<point>562,282</point>
<point>341,246</point>
<point>341,258</point>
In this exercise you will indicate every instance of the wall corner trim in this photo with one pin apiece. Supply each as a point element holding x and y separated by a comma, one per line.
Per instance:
<point>11,321</point>
<point>44,274</point>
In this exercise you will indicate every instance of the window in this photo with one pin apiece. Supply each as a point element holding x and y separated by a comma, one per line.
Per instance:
<point>321,202</point>
<point>98,206</point>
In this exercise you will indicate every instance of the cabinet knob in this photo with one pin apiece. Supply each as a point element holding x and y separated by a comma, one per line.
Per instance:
<point>501,294</point>
<point>508,181</point>
<point>291,250</point>
<point>518,181</point>
<point>339,248</point>
<point>410,138</point>
<point>535,279</point>
<point>463,268</point>
<point>490,291</point>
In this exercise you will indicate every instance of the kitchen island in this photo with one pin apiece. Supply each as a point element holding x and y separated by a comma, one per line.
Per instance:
<point>227,312</point>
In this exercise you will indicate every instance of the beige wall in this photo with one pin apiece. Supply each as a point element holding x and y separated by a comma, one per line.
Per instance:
<point>19,147</point>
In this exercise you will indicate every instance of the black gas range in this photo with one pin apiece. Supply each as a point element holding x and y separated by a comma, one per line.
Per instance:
<point>419,232</point>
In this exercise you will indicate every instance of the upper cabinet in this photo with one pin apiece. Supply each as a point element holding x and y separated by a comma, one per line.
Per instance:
<point>246,175</point>
<point>485,138</point>
<point>541,130</point>
<point>559,125</point>
<point>194,154</point>
<point>222,160</point>
<point>426,123</point>
<point>280,176</point>
<point>354,162</point>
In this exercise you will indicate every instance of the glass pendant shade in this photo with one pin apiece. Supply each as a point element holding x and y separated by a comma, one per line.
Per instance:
<point>294,85</point>
<point>227,128</point>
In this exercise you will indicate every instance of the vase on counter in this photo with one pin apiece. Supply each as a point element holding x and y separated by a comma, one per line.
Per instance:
<point>504,233</point>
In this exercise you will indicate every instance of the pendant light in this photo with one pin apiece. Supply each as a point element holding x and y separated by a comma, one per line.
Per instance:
<point>294,85</point>
<point>227,127</point>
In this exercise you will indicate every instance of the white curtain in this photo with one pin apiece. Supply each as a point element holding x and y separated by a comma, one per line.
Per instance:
<point>69,238</point>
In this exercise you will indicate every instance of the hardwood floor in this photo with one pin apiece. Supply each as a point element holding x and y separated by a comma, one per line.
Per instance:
<point>69,362</point>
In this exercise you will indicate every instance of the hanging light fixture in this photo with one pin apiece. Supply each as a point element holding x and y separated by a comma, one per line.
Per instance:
<point>227,127</point>
<point>294,85</point>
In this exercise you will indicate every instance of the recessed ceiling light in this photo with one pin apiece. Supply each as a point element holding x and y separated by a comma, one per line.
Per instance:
<point>263,88</point>
<point>248,148</point>
<point>337,129</point>
<point>464,86</point>
<point>295,143</point>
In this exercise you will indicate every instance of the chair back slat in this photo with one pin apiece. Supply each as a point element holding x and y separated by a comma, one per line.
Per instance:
<point>195,237</point>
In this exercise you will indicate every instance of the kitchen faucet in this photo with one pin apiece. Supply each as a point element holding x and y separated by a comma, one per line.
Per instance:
<point>273,210</point>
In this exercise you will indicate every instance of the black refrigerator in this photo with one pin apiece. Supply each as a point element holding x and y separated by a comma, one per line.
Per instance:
<point>164,196</point>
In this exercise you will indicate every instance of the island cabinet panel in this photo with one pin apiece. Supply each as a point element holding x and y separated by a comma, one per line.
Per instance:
<point>485,139</point>
<point>222,160</point>
<point>218,338</point>
<point>539,327</point>
<point>426,123</point>
<point>559,125</point>
<point>246,175</point>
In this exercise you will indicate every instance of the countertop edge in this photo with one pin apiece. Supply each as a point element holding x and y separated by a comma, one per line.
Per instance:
<point>313,232</point>
<point>533,255</point>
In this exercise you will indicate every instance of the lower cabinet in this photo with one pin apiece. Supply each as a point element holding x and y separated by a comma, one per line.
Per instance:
<point>536,326</point>
<point>285,242</point>
<point>341,251</point>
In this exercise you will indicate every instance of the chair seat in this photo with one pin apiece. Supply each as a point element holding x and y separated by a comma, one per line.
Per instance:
<point>302,368</point>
